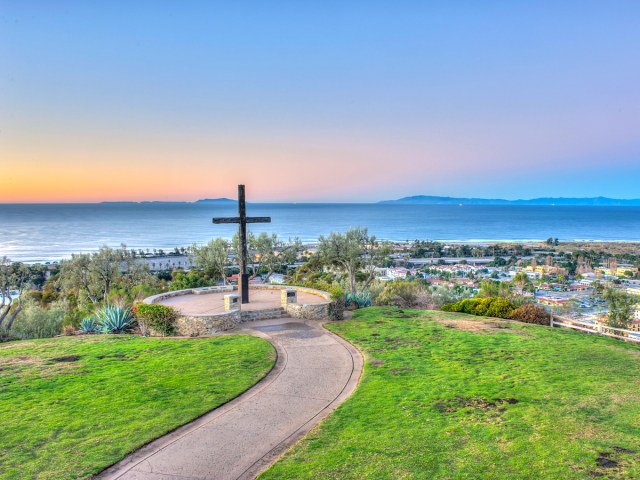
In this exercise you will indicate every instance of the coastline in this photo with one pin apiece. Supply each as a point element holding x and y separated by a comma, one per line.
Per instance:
<point>608,246</point>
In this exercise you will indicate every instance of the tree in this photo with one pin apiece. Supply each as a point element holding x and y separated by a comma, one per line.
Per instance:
<point>267,252</point>
<point>193,279</point>
<point>400,293</point>
<point>5,288</point>
<point>273,254</point>
<point>621,306</point>
<point>352,252</point>
<point>212,258</point>
<point>95,274</point>
<point>14,279</point>
<point>521,283</point>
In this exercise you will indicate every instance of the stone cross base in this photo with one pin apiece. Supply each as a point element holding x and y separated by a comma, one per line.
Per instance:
<point>231,302</point>
<point>287,296</point>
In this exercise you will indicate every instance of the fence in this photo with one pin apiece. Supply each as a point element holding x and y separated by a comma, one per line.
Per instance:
<point>596,328</point>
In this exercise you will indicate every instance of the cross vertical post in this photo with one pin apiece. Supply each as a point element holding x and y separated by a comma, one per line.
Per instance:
<point>243,278</point>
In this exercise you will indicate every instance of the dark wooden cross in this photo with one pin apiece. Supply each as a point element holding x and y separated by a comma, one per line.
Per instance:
<point>242,220</point>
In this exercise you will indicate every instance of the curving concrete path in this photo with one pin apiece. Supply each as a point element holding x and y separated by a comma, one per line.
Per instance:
<point>315,372</point>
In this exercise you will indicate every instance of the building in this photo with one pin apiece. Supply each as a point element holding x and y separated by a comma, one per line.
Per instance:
<point>618,271</point>
<point>277,279</point>
<point>552,301</point>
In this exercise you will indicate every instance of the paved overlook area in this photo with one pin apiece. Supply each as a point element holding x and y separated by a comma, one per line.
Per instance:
<point>315,372</point>
<point>214,302</point>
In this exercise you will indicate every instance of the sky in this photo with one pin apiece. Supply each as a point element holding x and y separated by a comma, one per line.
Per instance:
<point>318,101</point>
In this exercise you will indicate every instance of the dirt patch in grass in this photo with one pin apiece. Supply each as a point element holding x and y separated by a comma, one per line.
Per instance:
<point>399,313</point>
<point>470,325</point>
<point>376,362</point>
<point>622,450</point>
<point>623,399</point>
<point>603,461</point>
<point>396,372</point>
<point>458,403</point>
<point>68,358</point>
<point>611,464</point>
<point>22,360</point>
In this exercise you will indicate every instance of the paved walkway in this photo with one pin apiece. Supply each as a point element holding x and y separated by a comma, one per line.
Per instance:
<point>314,373</point>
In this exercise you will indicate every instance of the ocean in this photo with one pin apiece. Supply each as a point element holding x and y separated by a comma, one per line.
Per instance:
<point>49,232</point>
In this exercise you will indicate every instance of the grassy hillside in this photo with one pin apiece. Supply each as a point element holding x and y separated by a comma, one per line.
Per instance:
<point>72,406</point>
<point>450,396</point>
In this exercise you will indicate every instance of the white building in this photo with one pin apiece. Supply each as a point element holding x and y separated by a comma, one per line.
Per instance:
<point>397,272</point>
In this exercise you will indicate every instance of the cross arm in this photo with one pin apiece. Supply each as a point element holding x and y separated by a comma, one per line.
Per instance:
<point>237,220</point>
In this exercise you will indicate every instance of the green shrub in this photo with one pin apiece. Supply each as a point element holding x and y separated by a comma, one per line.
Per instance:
<point>487,306</point>
<point>530,313</point>
<point>500,308</point>
<point>481,306</point>
<point>157,318</point>
<point>400,293</point>
<point>35,321</point>
<point>115,319</point>
<point>439,295</point>
<point>318,284</point>
<point>193,279</point>
<point>336,307</point>
<point>463,306</point>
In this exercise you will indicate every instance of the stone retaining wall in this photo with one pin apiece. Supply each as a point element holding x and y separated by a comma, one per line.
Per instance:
<point>267,314</point>
<point>310,311</point>
<point>201,325</point>
<point>207,324</point>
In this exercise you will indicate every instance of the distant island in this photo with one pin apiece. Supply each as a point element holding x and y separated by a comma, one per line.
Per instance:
<point>217,200</point>
<point>594,201</point>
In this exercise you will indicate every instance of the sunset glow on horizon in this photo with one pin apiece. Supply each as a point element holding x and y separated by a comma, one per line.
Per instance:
<point>133,101</point>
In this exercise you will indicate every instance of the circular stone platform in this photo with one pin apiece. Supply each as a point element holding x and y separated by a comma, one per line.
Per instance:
<point>211,303</point>
<point>204,311</point>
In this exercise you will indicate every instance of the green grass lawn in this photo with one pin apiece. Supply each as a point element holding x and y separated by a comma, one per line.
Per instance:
<point>477,398</point>
<point>72,406</point>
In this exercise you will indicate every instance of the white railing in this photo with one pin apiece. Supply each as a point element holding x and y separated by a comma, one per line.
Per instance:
<point>596,328</point>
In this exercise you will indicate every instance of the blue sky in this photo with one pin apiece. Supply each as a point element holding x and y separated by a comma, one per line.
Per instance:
<point>318,101</point>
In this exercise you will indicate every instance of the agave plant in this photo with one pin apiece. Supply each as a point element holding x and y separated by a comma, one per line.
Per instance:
<point>88,325</point>
<point>359,299</point>
<point>116,319</point>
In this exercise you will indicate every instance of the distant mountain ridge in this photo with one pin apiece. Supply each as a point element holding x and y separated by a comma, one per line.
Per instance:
<point>548,201</point>
<point>223,201</point>
<point>216,200</point>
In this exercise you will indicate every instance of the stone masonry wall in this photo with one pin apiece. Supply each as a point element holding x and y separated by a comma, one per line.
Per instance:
<point>200,325</point>
<point>309,311</point>
<point>268,314</point>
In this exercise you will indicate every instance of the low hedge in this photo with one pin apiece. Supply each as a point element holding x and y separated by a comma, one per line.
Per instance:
<point>485,306</point>
<point>159,318</point>
<point>500,308</point>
